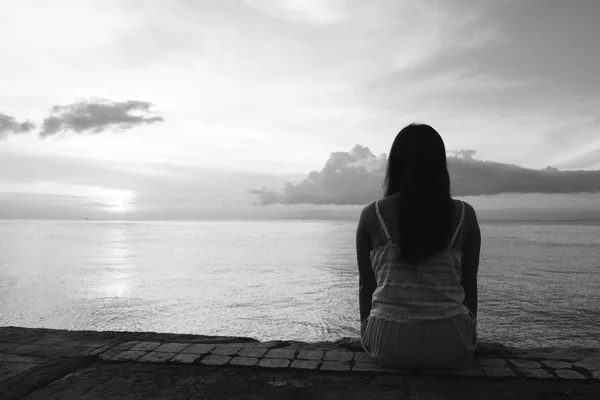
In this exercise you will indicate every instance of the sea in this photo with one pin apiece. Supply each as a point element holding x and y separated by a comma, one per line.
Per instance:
<point>279,279</point>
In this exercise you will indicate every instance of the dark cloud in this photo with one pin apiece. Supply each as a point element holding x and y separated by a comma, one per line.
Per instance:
<point>356,178</point>
<point>10,125</point>
<point>95,116</point>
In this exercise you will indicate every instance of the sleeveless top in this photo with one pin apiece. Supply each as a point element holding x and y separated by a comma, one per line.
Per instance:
<point>431,291</point>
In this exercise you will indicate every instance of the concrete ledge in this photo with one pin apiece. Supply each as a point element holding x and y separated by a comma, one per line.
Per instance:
<point>32,358</point>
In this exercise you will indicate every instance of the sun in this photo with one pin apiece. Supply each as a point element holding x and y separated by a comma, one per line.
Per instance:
<point>118,201</point>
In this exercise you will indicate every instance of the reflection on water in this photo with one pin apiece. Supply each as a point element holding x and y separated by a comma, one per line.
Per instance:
<point>276,279</point>
<point>116,278</point>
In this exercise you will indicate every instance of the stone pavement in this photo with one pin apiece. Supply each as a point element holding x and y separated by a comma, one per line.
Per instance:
<point>44,363</point>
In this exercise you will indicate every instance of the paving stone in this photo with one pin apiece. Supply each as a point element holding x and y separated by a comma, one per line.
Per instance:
<point>568,374</point>
<point>252,352</point>
<point>535,373</point>
<point>305,364</point>
<point>525,363</point>
<point>126,345</point>
<point>335,366</point>
<point>226,350</point>
<point>310,355</point>
<point>216,360</point>
<point>145,346</point>
<point>128,355</point>
<point>498,372</point>
<point>246,361</point>
<point>199,348</point>
<point>556,364</point>
<point>589,363</point>
<point>172,347</point>
<point>337,356</point>
<point>156,357</point>
<point>363,357</point>
<point>367,367</point>
<point>280,353</point>
<point>185,358</point>
<point>560,354</point>
<point>491,362</point>
<point>596,374</point>
<point>108,354</point>
<point>274,362</point>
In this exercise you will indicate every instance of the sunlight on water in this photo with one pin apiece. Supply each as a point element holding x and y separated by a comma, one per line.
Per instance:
<point>277,279</point>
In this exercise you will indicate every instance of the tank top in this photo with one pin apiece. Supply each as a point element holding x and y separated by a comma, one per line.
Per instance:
<point>406,294</point>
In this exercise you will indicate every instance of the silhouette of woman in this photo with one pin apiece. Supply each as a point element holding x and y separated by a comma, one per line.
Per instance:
<point>418,255</point>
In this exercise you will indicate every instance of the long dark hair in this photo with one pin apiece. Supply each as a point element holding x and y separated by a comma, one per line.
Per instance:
<point>417,169</point>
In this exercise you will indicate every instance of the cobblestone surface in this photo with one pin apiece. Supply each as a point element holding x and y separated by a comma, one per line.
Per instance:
<point>29,350</point>
<point>172,347</point>
<point>310,355</point>
<point>185,358</point>
<point>568,374</point>
<point>199,348</point>
<point>305,364</point>
<point>252,352</point>
<point>557,364</point>
<point>245,361</point>
<point>128,355</point>
<point>216,360</point>
<point>535,373</point>
<point>280,353</point>
<point>226,350</point>
<point>274,362</point>
<point>338,356</point>
<point>145,346</point>
<point>156,356</point>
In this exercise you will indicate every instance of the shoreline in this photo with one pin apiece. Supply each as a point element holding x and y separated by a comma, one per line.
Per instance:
<point>485,347</point>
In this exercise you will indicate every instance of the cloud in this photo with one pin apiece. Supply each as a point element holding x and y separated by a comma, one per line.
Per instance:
<point>322,12</point>
<point>95,116</point>
<point>10,125</point>
<point>356,177</point>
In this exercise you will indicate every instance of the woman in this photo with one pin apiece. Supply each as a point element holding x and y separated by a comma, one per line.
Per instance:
<point>418,256</point>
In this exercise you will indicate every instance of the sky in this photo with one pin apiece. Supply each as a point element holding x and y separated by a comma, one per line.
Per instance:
<point>131,109</point>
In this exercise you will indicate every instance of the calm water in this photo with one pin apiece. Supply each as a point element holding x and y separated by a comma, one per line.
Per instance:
<point>277,279</point>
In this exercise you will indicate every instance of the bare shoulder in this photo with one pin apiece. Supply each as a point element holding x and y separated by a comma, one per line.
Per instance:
<point>470,216</point>
<point>366,215</point>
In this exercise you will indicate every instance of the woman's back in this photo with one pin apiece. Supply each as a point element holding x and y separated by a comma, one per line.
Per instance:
<point>429,290</point>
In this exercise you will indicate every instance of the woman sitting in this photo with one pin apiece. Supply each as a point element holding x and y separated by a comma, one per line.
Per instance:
<point>418,256</point>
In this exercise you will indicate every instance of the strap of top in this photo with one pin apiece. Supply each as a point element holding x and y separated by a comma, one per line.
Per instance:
<point>382,222</point>
<point>462,218</point>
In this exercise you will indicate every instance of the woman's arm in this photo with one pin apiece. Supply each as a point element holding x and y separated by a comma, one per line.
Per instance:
<point>470,259</point>
<point>366,281</point>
